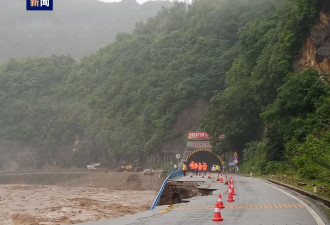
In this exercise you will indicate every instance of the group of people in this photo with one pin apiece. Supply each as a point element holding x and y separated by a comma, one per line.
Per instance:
<point>198,168</point>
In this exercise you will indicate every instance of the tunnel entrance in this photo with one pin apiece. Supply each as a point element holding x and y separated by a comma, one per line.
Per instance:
<point>204,155</point>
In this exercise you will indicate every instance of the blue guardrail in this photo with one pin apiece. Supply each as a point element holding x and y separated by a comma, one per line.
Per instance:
<point>173,174</point>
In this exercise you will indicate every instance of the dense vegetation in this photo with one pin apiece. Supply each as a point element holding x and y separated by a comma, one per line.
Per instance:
<point>121,102</point>
<point>74,27</point>
<point>277,120</point>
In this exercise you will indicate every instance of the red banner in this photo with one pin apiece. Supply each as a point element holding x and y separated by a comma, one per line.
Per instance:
<point>196,135</point>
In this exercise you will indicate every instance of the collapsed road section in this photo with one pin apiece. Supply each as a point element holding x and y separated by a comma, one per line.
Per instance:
<point>178,192</point>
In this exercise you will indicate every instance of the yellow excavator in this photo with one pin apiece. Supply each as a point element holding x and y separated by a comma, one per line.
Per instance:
<point>125,168</point>
<point>130,168</point>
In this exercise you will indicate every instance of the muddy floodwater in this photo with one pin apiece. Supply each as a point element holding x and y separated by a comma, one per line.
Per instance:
<point>22,204</point>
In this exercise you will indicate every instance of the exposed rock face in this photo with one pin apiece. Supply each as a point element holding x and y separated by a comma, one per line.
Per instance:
<point>321,38</point>
<point>316,49</point>
<point>188,119</point>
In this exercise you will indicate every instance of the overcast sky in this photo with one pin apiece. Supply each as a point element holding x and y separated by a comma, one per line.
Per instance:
<point>140,1</point>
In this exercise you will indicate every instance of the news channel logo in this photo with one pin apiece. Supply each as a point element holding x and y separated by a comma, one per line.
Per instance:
<point>39,5</point>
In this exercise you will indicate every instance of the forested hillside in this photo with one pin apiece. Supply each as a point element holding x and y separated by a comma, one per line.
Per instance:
<point>276,119</point>
<point>121,103</point>
<point>75,27</point>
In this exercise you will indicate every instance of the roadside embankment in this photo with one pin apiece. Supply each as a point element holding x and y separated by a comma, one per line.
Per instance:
<point>147,180</point>
<point>303,192</point>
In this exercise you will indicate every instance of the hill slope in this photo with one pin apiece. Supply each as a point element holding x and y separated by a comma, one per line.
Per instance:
<point>276,118</point>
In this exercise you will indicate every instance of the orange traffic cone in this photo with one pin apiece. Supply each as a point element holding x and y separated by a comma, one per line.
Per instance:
<point>221,206</point>
<point>232,188</point>
<point>217,214</point>
<point>230,195</point>
<point>226,181</point>
<point>209,176</point>
<point>221,178</point>
<point>218,177</point>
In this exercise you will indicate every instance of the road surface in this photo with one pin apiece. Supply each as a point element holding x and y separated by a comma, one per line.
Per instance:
<point>256,203</point>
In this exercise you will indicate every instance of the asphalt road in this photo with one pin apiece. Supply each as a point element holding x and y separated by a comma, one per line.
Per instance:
<point>256,203</point>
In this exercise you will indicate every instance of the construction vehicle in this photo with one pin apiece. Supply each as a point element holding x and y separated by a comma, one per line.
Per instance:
<point>125,168</point>
<point>130,167</point>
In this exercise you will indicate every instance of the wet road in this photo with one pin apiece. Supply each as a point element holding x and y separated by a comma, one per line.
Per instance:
<point>256,203</point>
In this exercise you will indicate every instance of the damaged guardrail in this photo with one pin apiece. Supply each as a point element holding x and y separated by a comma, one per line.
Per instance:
<point>173,174</point>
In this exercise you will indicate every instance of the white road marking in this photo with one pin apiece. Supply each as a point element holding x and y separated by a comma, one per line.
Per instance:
<point>317,218</point>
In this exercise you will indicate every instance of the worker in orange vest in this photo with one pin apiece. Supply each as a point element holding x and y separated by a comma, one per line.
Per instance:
<point>196,168</point>
<point>200,169</point>
<point>192,166</point>
<point>204,168</point>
